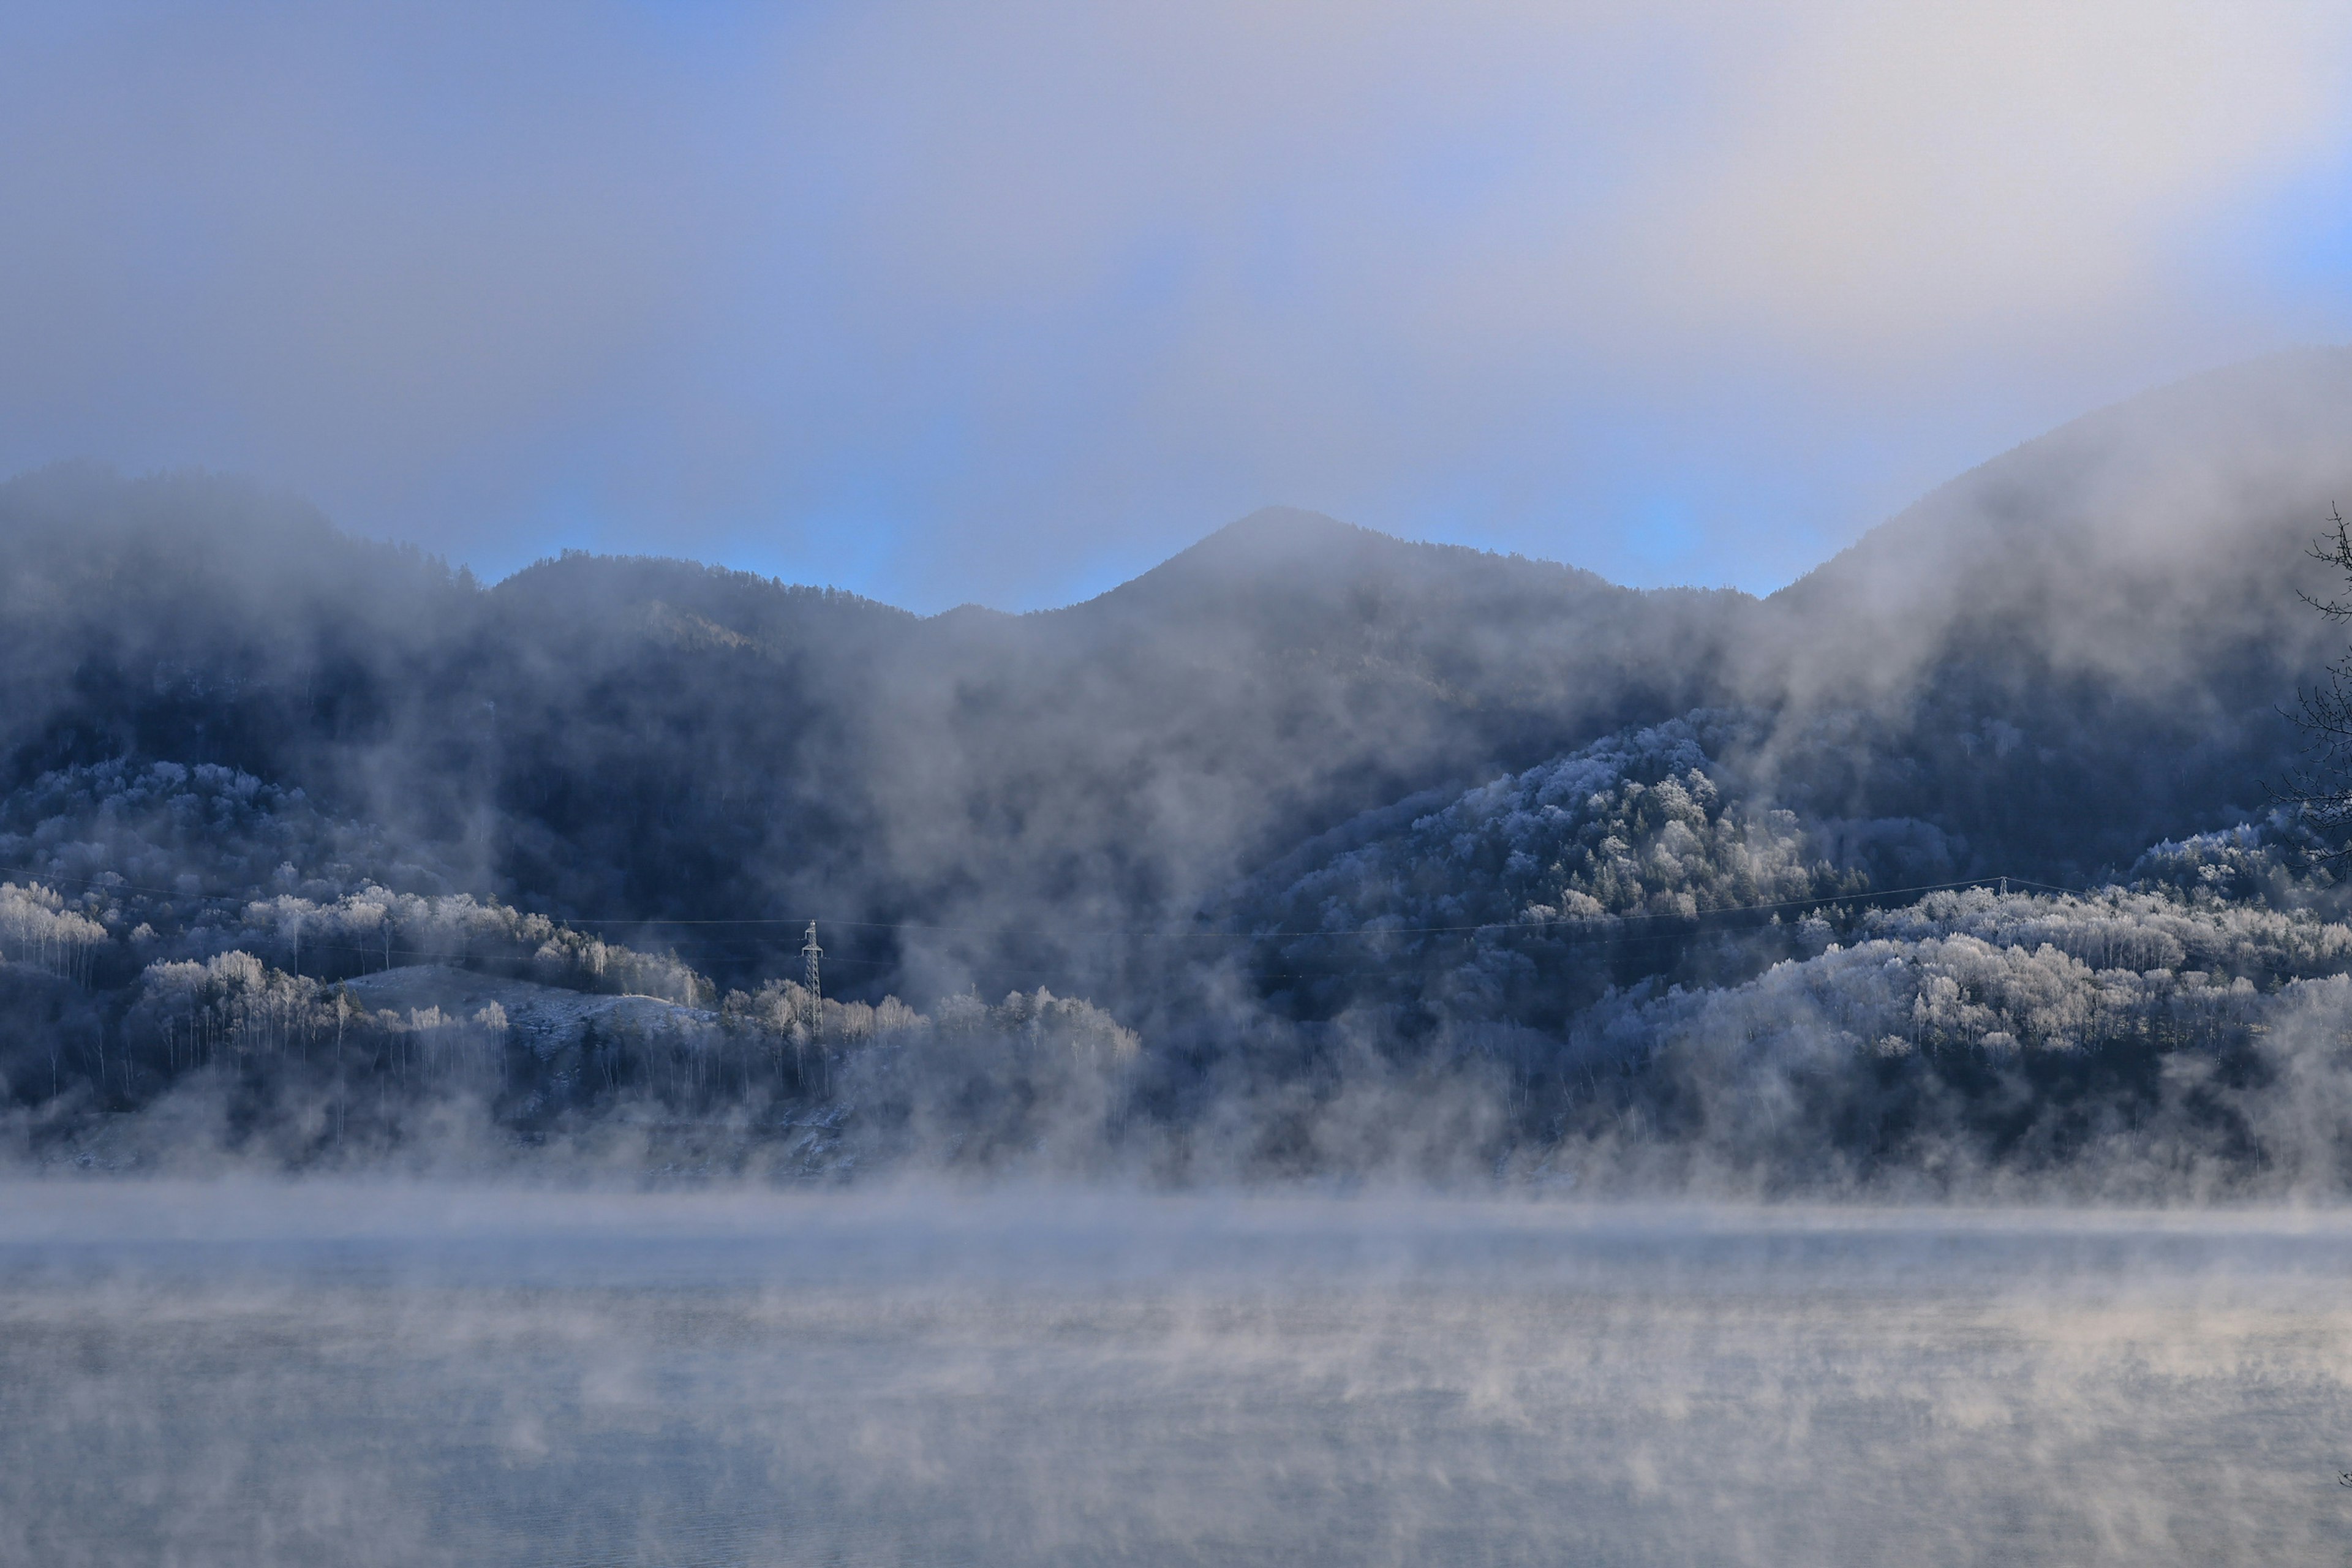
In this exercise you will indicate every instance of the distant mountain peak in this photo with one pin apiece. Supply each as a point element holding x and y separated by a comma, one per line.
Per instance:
<point>1292,522</point>
<point>1279,545</point>
<point>1273,533</point>
<point>971,614</point>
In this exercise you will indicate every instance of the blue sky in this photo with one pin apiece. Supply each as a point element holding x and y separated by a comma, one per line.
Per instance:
<point>1006,303</point>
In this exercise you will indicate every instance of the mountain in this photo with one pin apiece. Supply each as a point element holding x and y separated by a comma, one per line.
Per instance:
<point>2083,645</point>
<point>641,740</point>
<point>1301,785</point>
<point>2055,659</point>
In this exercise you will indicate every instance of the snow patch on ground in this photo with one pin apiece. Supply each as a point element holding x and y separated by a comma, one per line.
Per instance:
<point>545,1016</point>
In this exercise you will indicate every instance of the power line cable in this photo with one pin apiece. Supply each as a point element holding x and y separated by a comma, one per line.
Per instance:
<point>1814,900</point>
<point>1601,921</point>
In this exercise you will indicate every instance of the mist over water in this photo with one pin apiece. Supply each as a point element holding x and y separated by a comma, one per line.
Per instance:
<point>332,1372</point>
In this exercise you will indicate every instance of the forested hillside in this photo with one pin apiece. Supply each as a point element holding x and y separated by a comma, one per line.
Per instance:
<point>1364,851</point>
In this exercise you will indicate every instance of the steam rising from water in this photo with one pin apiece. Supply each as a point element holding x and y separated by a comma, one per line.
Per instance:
<point>419,1374</point>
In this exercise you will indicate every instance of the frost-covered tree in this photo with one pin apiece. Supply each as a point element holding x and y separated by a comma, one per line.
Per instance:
<point>37,928</point>
<point>1528,897</point>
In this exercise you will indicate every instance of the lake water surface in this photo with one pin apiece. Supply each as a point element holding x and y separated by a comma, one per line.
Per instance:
<point>249,1375</point>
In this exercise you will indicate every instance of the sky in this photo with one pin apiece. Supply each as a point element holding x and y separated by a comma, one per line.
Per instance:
<point>1006,303</point>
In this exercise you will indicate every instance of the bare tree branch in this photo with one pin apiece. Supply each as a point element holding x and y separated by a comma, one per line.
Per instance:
<point>2320,788</point>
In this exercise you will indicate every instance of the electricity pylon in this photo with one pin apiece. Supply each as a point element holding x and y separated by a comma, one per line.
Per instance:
<point>813,999</point>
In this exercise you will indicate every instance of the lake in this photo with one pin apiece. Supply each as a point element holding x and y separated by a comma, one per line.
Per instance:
<point>253,1374</point>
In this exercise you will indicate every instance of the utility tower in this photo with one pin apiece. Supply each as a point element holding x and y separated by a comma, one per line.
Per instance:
<point>814,998</point>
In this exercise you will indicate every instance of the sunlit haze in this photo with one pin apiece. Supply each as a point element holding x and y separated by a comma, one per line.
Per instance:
<point>1005,304</point>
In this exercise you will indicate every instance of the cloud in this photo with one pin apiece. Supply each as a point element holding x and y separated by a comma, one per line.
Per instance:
<point>950,302</point>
